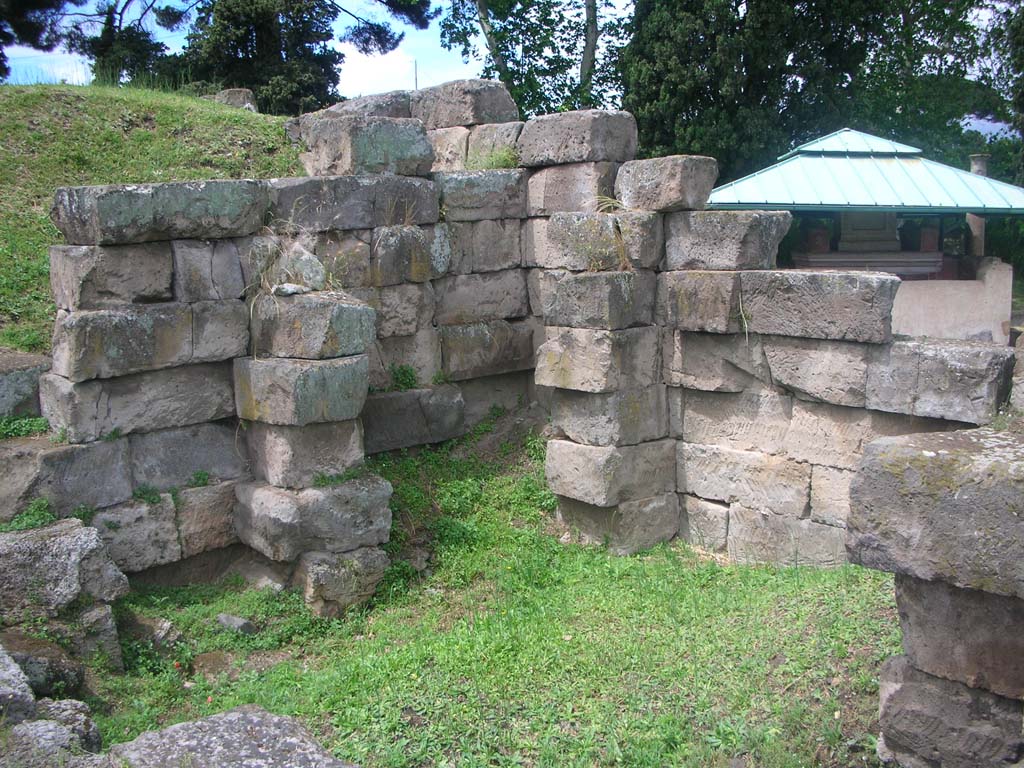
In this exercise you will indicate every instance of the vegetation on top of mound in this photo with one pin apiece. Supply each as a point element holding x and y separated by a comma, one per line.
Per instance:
<point>58,136</point>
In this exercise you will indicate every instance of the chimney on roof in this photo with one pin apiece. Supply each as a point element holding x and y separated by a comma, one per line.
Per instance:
<point>979,165</point>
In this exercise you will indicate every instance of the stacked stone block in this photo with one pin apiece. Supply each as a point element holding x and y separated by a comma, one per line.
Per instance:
<point>943,512</point>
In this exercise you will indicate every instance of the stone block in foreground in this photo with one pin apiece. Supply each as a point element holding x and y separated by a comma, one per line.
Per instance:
<point>599,241</point>
<point>299,392</point>
<point>331,582</point>
<point>704,523</point>
<point>817,369</point>
<point>140,535</point>
<point>584,136</point>
<point>340,143</point>
<point>17,703</point>
<point>626,417</point>
<point>486,349</point>
<point>96,277</point>
<point>487,140</point>
<point>693,300</point>
<point>293,457</point>
<point>629,527</point>
<point>450,147</point>
<point>389,104</point>
<point>610,300</point>
<point>478,195</point>
<point>415,417</point>
<point>141,213</point>
<point>239,738</point>
<point>19,382</point>
<point>207,270</point>
<point>574,187</point>
<point>489,296</point>
<point>762,537</point>
<point>463,102</point>
<point>714,362</point>
<point>605,476</point>
<point>169,458</point>
<point>673,183</point>
<point>945,506</point>
<point>724,239</point>
<point>591,360</point>
<point>401,310</point>
<point>206,518</point>
<point>314,326</point>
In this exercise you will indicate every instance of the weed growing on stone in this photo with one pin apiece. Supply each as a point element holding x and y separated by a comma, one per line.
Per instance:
<point>85,513</point>
<point>22,426</point>
<point>146,493</point>
<point>322,480</point>
<point>112,435</point>
<point>403,377</point>
<point>502,158</point>
<point>37,514</point>
<point>200,479</point>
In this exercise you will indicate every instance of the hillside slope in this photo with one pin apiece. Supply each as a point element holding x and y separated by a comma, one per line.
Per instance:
<point>55,136</point>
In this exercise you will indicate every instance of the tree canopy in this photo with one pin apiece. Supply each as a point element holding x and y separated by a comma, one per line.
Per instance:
<point>35,23</point>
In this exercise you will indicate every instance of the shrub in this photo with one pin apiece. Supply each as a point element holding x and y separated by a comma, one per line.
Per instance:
<point>35,515</point>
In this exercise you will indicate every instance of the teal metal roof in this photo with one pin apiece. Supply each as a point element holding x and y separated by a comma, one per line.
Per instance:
<point>850,170</point>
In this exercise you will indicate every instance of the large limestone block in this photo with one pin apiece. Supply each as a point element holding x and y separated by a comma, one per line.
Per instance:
<point>139,535</point>
<point>489,296</point>
<point>487,349</point>
<point>590,360</point>
<point>398,254</point>
<point>704,524</point>
<point>206,518</point>
<point>341,143</point>
<point>19,382</point>
<point>491,140</point>
<point>583,136</point>
<point>244,737</point>
<point>47,569</point>
<point>673,183</point>
<point>608,475</point>
<point>293,457</point>
<point>830,495</point>
<point>390,104</point>
<point>756,536</point>
<point>282,524</point>
<point>815,369</point>
<point>345,255</point>
<point>626,417</point>
<point>754,480</point>
<point>331,582</point>
<point>415,417</point>
<point>142,213</point>
<point>575,187</point>
<point>627,528</point>
<point>169,458</point>
<point>420,351</point>
<point>104,343</point>
<point>463,102</point>
<point>724,239</point>
<point>450,148</point>
<point>971,637</point>
<point>96,277</point>
<point>956,380</point>
<point>507,391</point>
<point>926,721</point>
<point>540,284</point>
<point>599,241</point>
<point>848,306</point>
<point>16,700</point>
<point>714,362</point>
<point>401,310</point>
<point>745,421</point>
<point>947,506</point>
<point>484,246</point>
<point>175,397</point>
<point>207,270</point>
<point>700,301</point>
<point>477,195</point>
<point>299,392</point>
<point>325,203</point>
<point>220,331</point>
<point>324,324</point>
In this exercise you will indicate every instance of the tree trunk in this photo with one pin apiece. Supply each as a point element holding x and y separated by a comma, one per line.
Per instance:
<point>589,55</point>
<point>484,16</point>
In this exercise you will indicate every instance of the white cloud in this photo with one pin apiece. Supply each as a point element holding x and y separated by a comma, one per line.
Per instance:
<point>399,70</point>
<point>29,66</point>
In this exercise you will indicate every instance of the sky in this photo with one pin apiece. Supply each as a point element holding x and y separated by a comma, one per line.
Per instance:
<point>420,53</point>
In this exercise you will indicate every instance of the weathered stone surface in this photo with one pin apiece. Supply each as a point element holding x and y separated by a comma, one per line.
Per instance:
<point>91,277</point>
<point>332,582</point>
<point>724,239</point>
<point>599,361</point>
<point>415,417</point>
<point>325,324</point>
<point>169,458</point>
<point>506,391</point>
<point>244,737</point>
<point>583,136</point>
<point>220,330</point>
<point>956,380</point>
<point>450,148</point>
<point>46,569</point>
<point>237,624</point>
<point>206,518</point>
<point>76,717</point>
<point>325,203</point>
<point>240,98</point>
<point>345,256</point>
<point>16,700</point>
<point>141,213</point>
<point>673,183</point>
<point>830,495</point>
<point>629,527</point>
<point>751,479</point>
<point>745,421</point>
<point>700,301</point>
<point>971,637</point>
<point>207,270</point>
<point>762,537</point>
<point>283,391</point>
<point>609,300</point>
<point>714,362</point>
<point>401,310</point>
<point>477,195</point>
<point>704,523</point>
<point>599,241</point>
<point>625,417</point>
<point>390,104</point>
<point>489,296</point>
<point>540,284</point>
<point>292,457</point>
<point>47,667</point>
<point>485,141</point>
<point>484,246</point>
<point>486,349</point>
<point>927,721</point>
<point>397,254</point>
<point>105,343</point>
<point>815,369</point>
<point>19,382</point>
<point>145,401</point>
<point>341,143</point>
<point>45,744</point>
<point>93,637</point>
<point>420,351</point>
<point>282,524</point>
<point>947,506</point>
<point>607,476</point>
<point>139,535</point>
<point>463,102</point>
<point>848,306</point>
<point>575,187</point>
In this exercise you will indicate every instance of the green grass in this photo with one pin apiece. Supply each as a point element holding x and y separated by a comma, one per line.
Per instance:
<point>57,136</point>
<point>35,515</point>
<point>518,650</point>
<point>22,426</point>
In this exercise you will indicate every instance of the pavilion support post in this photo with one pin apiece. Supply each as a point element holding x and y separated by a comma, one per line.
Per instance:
<point>979,165</point>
